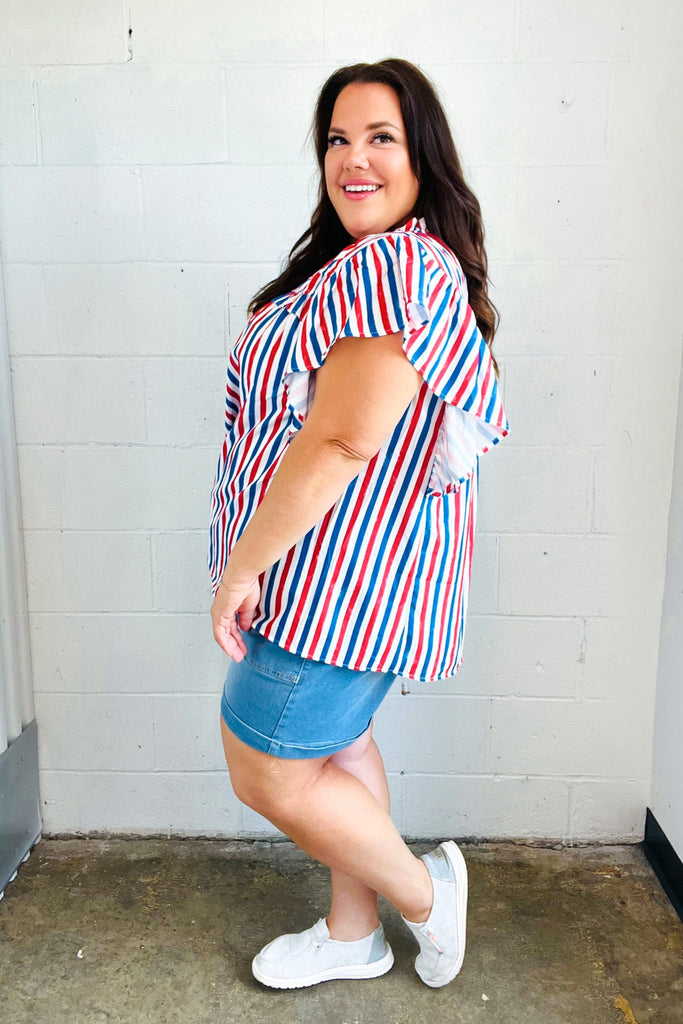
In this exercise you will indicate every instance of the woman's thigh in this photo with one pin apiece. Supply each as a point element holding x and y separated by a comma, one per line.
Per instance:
<point>261,779</point>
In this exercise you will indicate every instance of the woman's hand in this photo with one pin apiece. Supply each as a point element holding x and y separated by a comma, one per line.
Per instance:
<point>234,598</point>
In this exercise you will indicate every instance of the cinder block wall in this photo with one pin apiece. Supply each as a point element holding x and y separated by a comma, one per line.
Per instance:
<point>153,175</point>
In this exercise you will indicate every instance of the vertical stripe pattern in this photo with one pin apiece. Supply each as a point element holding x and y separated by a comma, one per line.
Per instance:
<point>381,582</point>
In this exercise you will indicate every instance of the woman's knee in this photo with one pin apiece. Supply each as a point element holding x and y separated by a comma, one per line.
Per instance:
<point>267,784</point>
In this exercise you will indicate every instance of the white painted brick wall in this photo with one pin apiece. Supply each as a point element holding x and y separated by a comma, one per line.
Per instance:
<point>124,309</point>
<point>150,183</point>
<point>70,399</point>
<point>110,115</point>
<point>71,214</point>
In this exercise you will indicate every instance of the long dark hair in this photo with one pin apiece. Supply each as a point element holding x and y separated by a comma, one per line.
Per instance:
<point>449,207</point>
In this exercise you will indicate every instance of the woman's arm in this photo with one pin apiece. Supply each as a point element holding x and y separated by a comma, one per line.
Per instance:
<point>362,390</point>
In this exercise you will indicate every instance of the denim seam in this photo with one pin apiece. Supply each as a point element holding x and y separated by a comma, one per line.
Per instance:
<point>286,703</point>
<point>289,677</point>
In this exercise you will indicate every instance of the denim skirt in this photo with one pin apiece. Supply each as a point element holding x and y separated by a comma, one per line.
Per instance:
<point>293,707</point>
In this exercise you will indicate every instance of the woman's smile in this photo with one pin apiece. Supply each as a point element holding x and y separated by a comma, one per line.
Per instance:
<point>356,189</point>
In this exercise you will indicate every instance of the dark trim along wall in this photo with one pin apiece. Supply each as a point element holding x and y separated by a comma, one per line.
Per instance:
<point>665,861</point>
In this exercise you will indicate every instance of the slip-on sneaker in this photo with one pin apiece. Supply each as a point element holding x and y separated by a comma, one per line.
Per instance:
<point>307,958</point>
<point>442,936</point>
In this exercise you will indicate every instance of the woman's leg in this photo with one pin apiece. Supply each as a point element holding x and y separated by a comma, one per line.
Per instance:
<point>353,909</point>
<point>332,816</point>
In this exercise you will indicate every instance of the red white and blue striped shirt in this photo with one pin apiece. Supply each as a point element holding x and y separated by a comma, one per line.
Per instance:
<point>381,582</point>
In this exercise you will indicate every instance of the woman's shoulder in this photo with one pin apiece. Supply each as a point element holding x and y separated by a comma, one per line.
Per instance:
<point>388,268</point>
<point>411,243</point>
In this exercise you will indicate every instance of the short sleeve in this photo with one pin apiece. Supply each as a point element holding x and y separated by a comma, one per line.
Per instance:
<point>404,281</point>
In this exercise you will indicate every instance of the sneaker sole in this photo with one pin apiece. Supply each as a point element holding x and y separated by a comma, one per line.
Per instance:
<point>452,851</point>
<point>352,971</point>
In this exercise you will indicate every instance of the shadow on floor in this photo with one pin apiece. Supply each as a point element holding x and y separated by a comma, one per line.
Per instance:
<point>131,931</point>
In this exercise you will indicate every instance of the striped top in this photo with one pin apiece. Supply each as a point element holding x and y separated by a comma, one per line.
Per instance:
<point>381,582</point>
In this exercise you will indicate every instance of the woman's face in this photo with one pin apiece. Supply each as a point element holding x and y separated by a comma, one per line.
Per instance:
<point>367,167</point>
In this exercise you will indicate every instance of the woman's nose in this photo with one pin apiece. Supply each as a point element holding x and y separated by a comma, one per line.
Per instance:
<point>356,156</point>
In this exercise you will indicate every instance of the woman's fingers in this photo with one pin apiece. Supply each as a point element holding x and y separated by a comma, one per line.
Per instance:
<point>231,602</point>
<point>246,619</point>
<point>247,609</point>
<point>227,635</point>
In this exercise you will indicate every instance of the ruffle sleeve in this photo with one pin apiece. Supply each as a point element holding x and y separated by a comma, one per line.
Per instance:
<point>405,281</point>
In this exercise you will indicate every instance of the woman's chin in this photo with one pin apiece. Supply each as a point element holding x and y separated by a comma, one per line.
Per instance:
<point>358,227</point>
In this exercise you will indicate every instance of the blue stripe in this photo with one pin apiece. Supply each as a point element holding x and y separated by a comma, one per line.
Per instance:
<point>331,311</point>
<point>493,401</point>
<point>315,339</point>
<point>366,294</point>
<point>422,289</point>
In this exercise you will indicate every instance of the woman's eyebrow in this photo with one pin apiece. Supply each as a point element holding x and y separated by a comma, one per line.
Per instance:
<point>369,127</point>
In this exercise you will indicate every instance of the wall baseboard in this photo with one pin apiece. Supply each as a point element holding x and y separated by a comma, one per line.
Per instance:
<point>665,862</point>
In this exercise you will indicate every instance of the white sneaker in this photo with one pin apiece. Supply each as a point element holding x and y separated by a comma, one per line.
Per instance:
<point>294,961</point>
<point>442,936</point>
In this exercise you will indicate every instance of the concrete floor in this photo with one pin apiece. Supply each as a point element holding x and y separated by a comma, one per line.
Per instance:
<point>135,931</point>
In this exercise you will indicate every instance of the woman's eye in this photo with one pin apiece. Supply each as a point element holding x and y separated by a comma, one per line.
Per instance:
<point>334,140</point>
<point>384,137</point>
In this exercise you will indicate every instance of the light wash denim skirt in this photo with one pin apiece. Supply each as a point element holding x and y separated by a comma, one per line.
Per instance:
<point>293,707</point>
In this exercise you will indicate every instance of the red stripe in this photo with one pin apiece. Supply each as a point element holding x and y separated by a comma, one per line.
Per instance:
<point>484,390</point>
<point>325,326</point>
<point>268,390</point>
<point>466,382</point>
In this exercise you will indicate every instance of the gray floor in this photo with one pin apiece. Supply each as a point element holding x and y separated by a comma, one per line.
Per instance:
<point>132,931</point>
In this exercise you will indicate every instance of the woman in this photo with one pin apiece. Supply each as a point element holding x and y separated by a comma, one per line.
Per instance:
<point>359,398</point>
